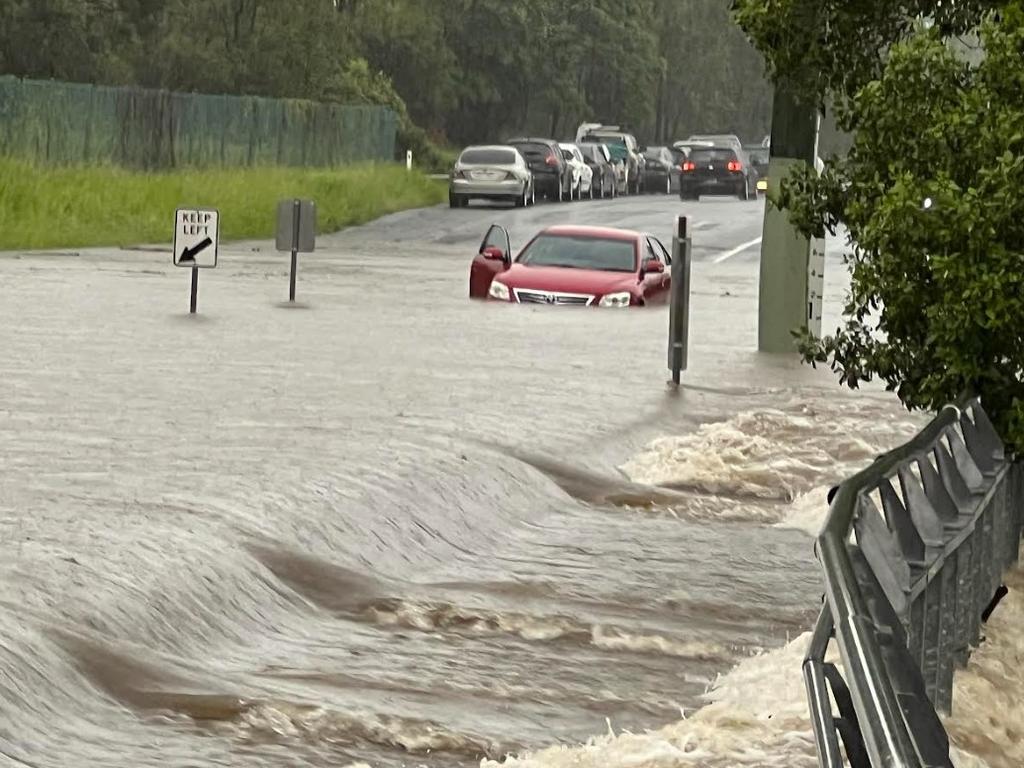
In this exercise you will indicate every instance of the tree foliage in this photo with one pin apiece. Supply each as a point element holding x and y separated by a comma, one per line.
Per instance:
<point>930,198</point>
<point>836,47</point>
<point>464,70</point>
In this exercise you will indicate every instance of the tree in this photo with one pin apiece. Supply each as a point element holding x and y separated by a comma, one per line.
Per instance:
<point>467,71</point>
<point>822,47</point>
<point>934,215</point>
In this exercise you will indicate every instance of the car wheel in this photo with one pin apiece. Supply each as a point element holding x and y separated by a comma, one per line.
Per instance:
<point>744,191</point>
<point>668,184</point>
<point>533,193</point>
<point>561,190</point>
<point>453,200</point>
<point>523,199</point>
<point>591,187</point>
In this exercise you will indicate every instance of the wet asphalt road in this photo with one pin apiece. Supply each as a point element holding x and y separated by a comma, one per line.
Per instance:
<point>720,226</point>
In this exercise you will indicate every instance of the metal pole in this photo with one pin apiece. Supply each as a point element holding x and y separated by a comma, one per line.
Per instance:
<point>296,208</point>
<point>195,289</point>
<point>679,308</point>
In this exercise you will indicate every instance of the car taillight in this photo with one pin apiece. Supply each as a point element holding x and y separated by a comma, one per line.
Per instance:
<point>551,160</point>
<point>734,166</point>
<point>688,166</point>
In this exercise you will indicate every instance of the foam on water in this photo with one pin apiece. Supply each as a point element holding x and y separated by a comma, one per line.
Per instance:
<point>768,454</point>
<point>304,724</point>
<point>807,512</point>
<point>756,715</point>
<point>432,618</point>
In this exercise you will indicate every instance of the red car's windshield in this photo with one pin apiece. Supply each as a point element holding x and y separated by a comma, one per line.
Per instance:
<point>579,252</point>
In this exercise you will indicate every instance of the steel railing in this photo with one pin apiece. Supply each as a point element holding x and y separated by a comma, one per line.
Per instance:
<point>908,574</point>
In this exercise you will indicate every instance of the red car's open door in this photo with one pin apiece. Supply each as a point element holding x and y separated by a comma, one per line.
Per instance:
<point>494,257</point>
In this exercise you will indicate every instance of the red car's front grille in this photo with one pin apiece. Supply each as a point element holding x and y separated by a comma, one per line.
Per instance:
<point>560,299</point>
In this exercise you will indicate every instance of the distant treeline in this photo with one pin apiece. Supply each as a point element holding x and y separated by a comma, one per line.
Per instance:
<point>463,70</point>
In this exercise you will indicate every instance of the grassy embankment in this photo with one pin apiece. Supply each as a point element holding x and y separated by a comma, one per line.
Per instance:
<point>67,207</point>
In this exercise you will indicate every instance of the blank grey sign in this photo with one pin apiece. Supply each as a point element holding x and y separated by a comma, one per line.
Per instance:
<point>296,226</point>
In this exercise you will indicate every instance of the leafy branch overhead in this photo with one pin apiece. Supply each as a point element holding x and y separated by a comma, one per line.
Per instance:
<point>835,47</point>
<point>929,197</point>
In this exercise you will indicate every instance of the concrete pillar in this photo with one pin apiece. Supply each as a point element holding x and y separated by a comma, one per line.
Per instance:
<point>792,267</point>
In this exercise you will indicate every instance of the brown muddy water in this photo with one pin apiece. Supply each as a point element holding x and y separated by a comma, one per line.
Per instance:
<point>388,526</point>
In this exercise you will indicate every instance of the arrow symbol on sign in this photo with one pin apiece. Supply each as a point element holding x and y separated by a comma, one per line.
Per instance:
<point>189,254</point>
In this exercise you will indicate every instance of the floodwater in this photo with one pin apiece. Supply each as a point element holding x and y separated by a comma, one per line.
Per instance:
<point>391,526</point>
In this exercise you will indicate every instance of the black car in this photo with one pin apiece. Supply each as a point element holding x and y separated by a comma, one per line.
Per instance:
<point>551,173</point>
<point>661,171</point>
<point>599,160</point>
<point>717,171</point>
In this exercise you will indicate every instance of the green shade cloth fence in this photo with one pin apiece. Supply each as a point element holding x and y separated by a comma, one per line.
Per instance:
<point>69,124</point>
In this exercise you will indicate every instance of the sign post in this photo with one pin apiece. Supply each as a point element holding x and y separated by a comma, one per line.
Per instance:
<point>296,215</point>
<point>296,232</point>
<point>679,308</point>
<point>196,243</point>
<point>408,160</point>
<point>195,290</point>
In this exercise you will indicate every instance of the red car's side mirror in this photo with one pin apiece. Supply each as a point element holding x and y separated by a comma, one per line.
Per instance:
<point>493,253</point>
<point>654,268</point>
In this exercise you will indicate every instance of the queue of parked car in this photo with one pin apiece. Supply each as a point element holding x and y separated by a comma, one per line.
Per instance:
<point>605,161</point>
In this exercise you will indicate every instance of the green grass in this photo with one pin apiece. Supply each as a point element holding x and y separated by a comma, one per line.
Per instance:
<point>43,207</point>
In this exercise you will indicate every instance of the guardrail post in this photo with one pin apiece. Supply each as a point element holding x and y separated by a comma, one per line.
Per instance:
<point>946,638</point>
<point>965,602</point>
<point>930,639</point>
<point>679,309</point>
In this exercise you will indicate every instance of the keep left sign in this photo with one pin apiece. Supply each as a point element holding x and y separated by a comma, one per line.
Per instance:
<point>196,237</point>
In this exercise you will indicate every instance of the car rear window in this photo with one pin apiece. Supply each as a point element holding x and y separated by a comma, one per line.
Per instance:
<point>577,252</point>
<point>712,155</point>
<point>533,150</point>
<point>717,138</point>
<point>488,157</point>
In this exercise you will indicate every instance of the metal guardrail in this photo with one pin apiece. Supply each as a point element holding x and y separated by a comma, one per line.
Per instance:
<point>908,574</point>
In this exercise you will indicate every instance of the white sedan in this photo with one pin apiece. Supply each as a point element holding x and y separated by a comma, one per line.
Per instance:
<point>582,174</point>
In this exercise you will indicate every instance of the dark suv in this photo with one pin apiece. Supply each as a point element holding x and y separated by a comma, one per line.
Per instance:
<point>717,171</point>
<point>552,175</point>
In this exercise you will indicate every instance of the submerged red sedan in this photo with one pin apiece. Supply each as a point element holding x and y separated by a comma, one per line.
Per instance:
<point>573,266</point>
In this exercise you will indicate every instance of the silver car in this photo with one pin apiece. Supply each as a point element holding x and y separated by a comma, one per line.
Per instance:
<point>491,173</point>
